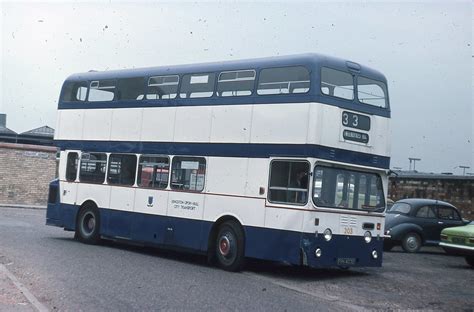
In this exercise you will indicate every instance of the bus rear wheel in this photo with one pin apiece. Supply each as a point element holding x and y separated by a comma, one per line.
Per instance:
<point>229,246</point>
<point>88,224</point>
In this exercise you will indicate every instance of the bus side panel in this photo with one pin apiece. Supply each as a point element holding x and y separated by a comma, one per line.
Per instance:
<point>183,225</point>
<point>97,124</point>
<point>116,223</point>
<point>165,117</point>
<point>126,124</point>
<point>193,124</point>
<point>272,244</point>
<point>121,213</point>
<point>150,204</point>
<point>69,123</point>
<point>231,124</point>
<point>280,123</point>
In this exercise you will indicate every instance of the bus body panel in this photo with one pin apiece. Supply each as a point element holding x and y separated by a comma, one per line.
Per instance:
<point>231,124</point>
<point>305,123</point>
<point>158,124</point>
<point>126,124</point>
<point>97,124</point>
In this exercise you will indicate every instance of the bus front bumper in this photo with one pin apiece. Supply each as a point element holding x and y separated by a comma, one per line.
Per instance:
<point>341,251</point>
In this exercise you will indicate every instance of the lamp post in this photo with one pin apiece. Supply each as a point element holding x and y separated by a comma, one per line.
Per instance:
<point>414,160</point>
<point>464,169</point>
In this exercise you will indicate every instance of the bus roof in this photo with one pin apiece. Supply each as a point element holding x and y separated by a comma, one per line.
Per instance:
<point>311,60</point>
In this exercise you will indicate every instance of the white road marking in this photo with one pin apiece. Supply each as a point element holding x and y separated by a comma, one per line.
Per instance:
<point>31,298</point>
<point>333,299</point>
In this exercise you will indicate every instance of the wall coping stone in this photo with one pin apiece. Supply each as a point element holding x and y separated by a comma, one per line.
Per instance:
<point>29,147</point>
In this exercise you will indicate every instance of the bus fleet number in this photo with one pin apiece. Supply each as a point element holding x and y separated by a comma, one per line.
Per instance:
<point>348,231</point>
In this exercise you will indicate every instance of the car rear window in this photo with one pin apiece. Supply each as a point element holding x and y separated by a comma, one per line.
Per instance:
<point>400,208</point>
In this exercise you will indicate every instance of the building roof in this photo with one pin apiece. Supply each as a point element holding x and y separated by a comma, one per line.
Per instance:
<point>6,131</point>
<point>41,131</point>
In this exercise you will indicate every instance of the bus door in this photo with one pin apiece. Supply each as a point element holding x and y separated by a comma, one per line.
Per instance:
<point>68,185</point>
<point>185,202</point>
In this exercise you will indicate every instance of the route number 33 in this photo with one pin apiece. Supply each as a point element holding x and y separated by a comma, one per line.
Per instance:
<point>348,121</point>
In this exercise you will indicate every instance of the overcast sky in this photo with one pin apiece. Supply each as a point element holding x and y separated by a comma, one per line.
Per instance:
<point>424,49</point>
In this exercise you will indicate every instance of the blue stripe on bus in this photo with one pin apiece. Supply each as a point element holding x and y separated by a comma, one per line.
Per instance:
<point>250,150</point>
<point>244,100</point>
<point>260,243</point>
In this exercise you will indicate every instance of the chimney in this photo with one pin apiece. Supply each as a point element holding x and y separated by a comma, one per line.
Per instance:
<point>3,120</point>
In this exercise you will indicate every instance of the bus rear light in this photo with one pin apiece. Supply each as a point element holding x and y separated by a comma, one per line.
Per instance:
<point>379,226</point>
<point>318,252</point>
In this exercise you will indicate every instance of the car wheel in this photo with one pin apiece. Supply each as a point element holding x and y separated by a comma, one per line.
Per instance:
<point>229,246</point>
<point>470,261</point>
<point>411,242</point>
<point>88,224</point>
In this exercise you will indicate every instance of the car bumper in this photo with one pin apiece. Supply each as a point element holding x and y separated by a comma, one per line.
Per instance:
<point>457,249</point>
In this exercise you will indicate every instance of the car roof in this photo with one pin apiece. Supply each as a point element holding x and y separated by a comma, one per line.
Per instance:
<point>424,201</point>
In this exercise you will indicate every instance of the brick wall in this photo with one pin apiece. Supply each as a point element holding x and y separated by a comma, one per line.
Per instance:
<point>459,192</point>
<point>25,173</point>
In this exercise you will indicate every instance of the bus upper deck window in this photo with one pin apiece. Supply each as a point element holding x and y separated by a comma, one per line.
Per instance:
<point>236,83</point>
<point>103,90</point>
<point>337,83</point>
<point>283,80</point>
<point>130,88</point>
<point>197,86</point>
<point>371,92</point>
<point>75,91</point>
<point>162,87</point>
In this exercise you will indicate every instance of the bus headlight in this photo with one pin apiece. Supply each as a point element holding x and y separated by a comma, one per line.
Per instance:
<point>318,252</point>
<point>327,234</point>
<point>374,254</point>
<point>368,237</point>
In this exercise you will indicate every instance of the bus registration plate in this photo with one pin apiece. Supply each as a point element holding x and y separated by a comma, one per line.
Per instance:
<point>346,261</point>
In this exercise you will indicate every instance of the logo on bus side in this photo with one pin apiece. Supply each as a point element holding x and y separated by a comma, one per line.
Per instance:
<point>150,201</point>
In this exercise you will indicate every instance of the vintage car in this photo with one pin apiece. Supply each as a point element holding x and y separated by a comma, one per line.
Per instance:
<point>459,240</point>
<point>415,222</point>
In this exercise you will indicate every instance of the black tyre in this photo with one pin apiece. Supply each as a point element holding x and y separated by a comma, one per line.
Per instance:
<point>470,261</point>
<point>411,242</point>
<point>88,224</point>
<point>229,246</point>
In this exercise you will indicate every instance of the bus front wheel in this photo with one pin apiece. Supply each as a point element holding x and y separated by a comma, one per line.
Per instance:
<point>88,224</point>
<point>229,246</point>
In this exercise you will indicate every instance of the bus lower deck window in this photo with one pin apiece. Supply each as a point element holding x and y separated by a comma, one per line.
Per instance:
<point>188,173</point>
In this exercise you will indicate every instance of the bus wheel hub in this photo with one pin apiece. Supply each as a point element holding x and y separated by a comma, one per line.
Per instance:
<point>224,246</point>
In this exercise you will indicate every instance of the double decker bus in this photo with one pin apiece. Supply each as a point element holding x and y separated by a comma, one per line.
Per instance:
<point>280,158</point>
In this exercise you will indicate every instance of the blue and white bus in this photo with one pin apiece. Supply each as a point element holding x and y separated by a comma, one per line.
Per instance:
<point>281,158</point>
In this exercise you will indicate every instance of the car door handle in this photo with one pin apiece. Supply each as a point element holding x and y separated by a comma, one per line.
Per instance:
<point>440,222</point>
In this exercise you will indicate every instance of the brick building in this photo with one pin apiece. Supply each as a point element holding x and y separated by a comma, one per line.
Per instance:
<point>27,165</point>
<point>25,173</point>
<point>455,189</point>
